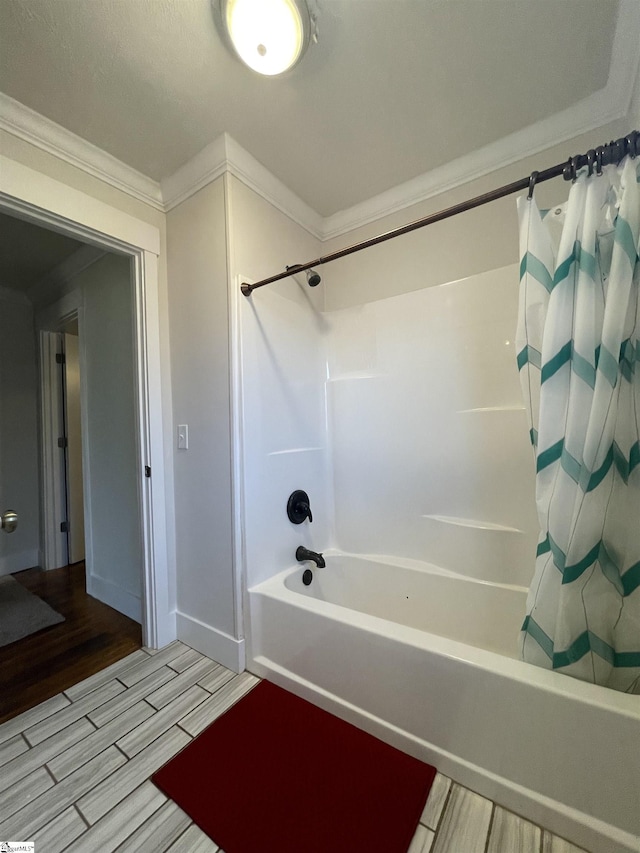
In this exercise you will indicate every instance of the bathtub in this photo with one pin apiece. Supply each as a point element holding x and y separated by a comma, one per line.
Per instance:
<point>426,660</point>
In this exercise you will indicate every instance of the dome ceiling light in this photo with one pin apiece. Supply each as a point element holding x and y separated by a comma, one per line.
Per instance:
<point>270,36</point>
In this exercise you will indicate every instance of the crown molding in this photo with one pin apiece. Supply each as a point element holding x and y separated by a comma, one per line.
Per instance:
<point>619,99</point>
<point>251,172</point>
<point>609,104</point>
<point>226,155</point>
<point>602,107</point>
<point>207,165</point>
<point>587,115</point>
<point>30,126</point>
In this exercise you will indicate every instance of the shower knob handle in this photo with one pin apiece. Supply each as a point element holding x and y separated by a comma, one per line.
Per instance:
<point>298,507</point>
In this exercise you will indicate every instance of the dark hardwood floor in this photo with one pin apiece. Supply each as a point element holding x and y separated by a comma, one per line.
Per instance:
<point>92,637</point>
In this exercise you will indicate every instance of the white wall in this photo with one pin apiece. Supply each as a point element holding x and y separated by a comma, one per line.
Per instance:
<point>197,247</point>
<point>19,488</point>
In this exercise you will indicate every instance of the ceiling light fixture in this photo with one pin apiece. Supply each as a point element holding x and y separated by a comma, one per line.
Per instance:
<point>270,36</point>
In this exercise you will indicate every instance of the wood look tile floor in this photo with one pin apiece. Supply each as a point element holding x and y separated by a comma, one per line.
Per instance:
<point>75,770</point>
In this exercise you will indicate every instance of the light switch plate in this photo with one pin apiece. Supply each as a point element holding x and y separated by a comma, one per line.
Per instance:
<point>183,437</point>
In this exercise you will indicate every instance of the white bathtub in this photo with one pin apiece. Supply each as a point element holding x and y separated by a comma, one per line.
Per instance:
<point>425,660</point>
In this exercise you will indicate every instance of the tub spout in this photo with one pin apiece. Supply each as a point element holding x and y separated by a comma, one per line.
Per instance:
<point>303,554</point>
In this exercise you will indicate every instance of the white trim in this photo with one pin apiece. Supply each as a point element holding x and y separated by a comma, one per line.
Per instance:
<point>208,165</point>
<point>54,552</point>
<point>211,642</point>
<point>32,195</point>
<point>254,175</point>
<point>52,317</point>
<point>115,596</point>
<point>615,101</point>
<point>236,427</point>
<point>45,134</point>
<point>226,155</point>
<point>607,105</point>
<point>158,617</point>
<point>602,107</point>
<point>18,562</point>
<point>237,420</point>
<point>84,426</point>
<point>580,118</point>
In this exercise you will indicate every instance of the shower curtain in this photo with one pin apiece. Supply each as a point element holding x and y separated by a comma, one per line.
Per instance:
<point>578,355</point>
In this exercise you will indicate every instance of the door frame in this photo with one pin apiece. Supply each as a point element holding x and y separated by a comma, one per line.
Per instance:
<point>52,498</point>
<point>35,197</point>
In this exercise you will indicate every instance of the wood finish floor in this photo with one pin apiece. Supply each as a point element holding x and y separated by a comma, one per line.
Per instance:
<point>43,664</point>
<point>75,771</point>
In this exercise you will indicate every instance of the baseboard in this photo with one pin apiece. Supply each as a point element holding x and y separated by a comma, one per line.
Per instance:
<point>578,827</point>
<point>167,632</point>
<point>18,562</point>
<point>211,642</point>
<point>116,597</point>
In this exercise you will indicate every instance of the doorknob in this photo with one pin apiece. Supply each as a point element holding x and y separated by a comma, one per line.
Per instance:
<point>9,521</point>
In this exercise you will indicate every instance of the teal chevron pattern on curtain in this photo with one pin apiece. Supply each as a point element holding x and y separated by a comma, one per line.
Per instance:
<point>578,346</point>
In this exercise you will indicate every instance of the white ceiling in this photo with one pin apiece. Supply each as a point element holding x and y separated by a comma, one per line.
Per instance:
<point>394,89</point>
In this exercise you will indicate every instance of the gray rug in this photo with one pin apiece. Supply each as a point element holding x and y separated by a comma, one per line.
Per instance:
<point>21,612</point>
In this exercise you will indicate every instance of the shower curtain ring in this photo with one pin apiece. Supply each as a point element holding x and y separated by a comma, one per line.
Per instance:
<point>591,156</point>
<point>633,144</point>
<point>573,161</point>
<point>532,183</point>
<point>599,153</point>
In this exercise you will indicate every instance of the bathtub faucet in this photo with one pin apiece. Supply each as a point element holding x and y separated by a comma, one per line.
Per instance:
<point>303,554</point>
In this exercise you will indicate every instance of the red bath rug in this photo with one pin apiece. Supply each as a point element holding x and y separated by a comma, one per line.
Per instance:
<point>275,774</point>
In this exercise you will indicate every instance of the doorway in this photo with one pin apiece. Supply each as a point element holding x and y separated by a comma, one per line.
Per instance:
<point>33,197</point>
<point>100,299</point>
<point>88,376</point>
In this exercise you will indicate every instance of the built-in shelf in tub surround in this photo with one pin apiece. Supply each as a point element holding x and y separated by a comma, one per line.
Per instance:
<point>473,522</point>
<point>485,550</point>
<point>358,374</point>
<point>484,409</point>
<point>295,450</point>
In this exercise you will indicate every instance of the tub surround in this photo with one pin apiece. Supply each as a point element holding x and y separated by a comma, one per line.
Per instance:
<point>511,731</point>
<point>430,452</point>
<point>403,421</point>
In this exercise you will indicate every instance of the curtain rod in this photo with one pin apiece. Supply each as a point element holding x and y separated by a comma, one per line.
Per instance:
<point>603,155</point>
